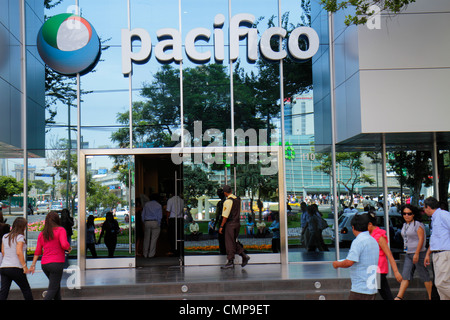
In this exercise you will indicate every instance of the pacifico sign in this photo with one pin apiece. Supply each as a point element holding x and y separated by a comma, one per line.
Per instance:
<point>169,46</point>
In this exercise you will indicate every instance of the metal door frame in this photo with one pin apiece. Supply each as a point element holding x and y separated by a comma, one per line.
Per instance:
<point>84,264</point>
<point>178,242</point>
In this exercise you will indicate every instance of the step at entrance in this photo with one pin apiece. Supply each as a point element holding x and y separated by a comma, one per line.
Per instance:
<point>301,289</point>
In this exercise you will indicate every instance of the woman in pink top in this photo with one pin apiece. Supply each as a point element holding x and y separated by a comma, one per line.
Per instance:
<point>52,244</point>
<point>385,254</point>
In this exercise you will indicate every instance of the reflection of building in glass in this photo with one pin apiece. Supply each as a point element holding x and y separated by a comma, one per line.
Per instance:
<point>302,115</point>
<point>301,177</point>
<point>111,180</point>
<point>300,157</point>
<point>11,133</point>
<point>18,171</point>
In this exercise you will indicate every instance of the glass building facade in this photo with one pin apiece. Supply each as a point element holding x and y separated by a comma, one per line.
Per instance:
<point>187,118</point>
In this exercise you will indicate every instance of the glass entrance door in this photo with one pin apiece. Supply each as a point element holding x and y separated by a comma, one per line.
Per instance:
<point>260,188</point>
<point>117,184</point>
<point>158,238</point>
<point>109,219</point>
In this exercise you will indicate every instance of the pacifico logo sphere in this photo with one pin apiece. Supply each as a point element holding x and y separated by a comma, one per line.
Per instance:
<point>68,44</point>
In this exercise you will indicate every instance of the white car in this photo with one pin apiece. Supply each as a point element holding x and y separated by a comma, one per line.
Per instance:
<point>121,213</point>
<point>43,208</point>
<point>56,206</point>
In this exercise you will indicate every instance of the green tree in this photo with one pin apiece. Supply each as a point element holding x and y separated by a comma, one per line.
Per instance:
<point>352,161</point>
<point>197,183</point>
<point>66,167</point>
<point>41,186</point>
<point>412,168</point>
<point>9,186</point>
<point>101,196</point>
<point>206,99</point>
<point>48,4</point>
<point>263,85</point>
<point>361,8</point>
<point>250,181</point>
<point>206,95</point>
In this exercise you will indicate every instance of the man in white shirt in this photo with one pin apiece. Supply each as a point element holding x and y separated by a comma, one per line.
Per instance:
<point>175,206</point>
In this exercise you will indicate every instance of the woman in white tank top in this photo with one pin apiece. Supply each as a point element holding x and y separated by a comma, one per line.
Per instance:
<point>13,266</point>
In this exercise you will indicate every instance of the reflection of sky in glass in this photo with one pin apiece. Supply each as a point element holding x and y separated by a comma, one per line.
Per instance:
<point>110,88</point>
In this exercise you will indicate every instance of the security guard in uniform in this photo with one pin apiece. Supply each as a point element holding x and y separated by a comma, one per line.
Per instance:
<point>230,227</point>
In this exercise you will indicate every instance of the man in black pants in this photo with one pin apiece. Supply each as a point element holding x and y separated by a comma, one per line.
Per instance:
<point>231,216</point>
<point>218,222</point>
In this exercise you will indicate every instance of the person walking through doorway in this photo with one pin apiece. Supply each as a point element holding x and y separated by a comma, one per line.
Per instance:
<point>90,236</point>
<point>175,206</point>
<point>151,217</point>
<point>231,216</point>
<point>111,229</point>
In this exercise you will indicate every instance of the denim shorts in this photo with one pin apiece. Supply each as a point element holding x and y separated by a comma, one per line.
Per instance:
<point>409,267</point>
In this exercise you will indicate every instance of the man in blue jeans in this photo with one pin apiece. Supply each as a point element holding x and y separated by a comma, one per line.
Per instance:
<point>362,259</point>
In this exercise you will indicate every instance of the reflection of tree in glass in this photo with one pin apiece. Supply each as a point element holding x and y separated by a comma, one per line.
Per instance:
<point>352,161</point>
<point>196,183</point>
<point>206,94</point>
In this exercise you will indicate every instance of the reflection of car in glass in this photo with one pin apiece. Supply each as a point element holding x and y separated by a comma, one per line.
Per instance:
<point>122,212</point>
<point>346,235</point>
<point>56,206</point>
<point>43,208</point>
<point>101,214</point>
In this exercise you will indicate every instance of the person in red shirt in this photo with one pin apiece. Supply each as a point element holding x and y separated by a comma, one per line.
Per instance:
<point>385,255</point>
<point>52,244</point>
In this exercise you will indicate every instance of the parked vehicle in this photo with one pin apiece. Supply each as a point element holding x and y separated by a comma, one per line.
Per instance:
<point>122,212</point>
<point>346,235</point>
<point>56,206</point>
<point>43,208</point>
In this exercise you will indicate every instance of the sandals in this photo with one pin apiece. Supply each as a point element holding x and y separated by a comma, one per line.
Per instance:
<point>398,298</point>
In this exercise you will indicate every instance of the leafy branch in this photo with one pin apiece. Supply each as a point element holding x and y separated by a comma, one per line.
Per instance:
<point>363,8</point>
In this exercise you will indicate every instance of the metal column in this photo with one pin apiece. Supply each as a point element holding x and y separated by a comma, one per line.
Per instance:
<point>385,186</point>
<point>333,131</point>
<point>434,158</point>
